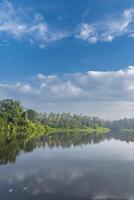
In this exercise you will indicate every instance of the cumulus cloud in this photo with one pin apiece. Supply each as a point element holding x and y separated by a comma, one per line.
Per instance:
<point>109,28</point>
<point>107,94</point>
<point>19,23</point>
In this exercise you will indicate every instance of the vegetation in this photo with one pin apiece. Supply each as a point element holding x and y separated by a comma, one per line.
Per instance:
<point>97,130</point>
<point>15,121</point>
<point>20,127</point>
<point>121,125</point>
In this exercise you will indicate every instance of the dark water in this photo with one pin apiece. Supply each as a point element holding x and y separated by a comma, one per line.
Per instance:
<point>68,167</point>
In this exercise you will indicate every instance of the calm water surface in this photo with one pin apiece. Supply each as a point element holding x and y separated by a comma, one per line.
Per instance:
<point>68,167</point>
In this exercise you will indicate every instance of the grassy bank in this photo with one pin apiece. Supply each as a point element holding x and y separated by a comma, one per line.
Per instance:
<point>39,130</point>
<point>127,130</point>
<point>32,130</point>
<point>89,130</point>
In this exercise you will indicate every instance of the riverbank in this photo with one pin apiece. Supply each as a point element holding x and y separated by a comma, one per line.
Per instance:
<point>127,130</point>
<point>89,130</point>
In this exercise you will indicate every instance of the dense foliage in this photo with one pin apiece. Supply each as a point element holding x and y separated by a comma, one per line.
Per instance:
<point>14,118</point>
<point>64,120</point>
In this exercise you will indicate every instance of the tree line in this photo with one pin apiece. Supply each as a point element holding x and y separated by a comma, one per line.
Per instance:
<point>13,114</point>
<point>15,118</point>
<point>64,120</point>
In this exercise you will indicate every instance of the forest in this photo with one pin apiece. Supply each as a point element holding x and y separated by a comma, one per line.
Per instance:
<point>16,120</point>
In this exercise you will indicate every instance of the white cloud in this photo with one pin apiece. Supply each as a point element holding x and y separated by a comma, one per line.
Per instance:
<point>40,76</point>
<point>27,25</point>
<point>108,94</point>
<point>109,28</point>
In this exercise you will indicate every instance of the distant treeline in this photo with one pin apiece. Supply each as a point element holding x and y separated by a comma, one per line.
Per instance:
<point>13,117</point>
<point>64,120</point>
<point>126,124</point>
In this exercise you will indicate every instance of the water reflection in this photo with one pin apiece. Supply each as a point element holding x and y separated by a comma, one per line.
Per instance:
<point>9,150</point>
<point>66,166</point>
<point>73,183</point>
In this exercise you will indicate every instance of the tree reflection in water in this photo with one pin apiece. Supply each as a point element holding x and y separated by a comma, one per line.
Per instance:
<point>9,150</point>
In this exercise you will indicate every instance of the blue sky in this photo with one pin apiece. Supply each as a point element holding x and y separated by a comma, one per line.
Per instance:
<point>46,45</point>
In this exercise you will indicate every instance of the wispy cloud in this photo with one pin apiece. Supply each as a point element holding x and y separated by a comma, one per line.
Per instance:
<point>26,24</point>
<point>109,28</point>
<point>105,93</point>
